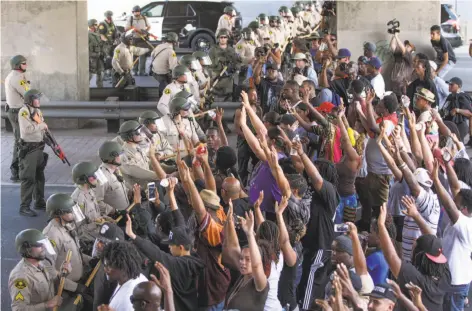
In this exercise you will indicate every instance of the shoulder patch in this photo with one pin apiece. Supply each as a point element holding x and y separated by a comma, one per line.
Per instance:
<point>227,17</point>
<point>19,296</point>
<point>239,46</point>
<point>20,284</point>
<point>82,206</point>
<point>270,32</point>
<point>53,243</point>
<point>173,54</point>
<point>24,113</point>
<point>167,91</point>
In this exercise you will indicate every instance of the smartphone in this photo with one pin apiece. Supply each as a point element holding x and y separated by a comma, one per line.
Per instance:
<point>151,191</point>
<point>341,228</point>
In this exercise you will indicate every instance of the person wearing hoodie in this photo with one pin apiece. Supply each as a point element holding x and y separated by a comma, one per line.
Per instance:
<point>183,267</point>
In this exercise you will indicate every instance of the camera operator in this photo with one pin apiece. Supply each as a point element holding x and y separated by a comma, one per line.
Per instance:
<point>403,63</point>
<point>268,86</point>
<point>329,24</point>
<point>303,68</point>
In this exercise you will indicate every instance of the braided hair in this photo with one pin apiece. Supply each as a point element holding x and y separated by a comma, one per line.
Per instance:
<point>268,231</point>
<point>327,170</point>
<point>427,267</point>
<point>124,257</point>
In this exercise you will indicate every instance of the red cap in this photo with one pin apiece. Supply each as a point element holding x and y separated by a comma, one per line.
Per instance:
<point>325,107</point>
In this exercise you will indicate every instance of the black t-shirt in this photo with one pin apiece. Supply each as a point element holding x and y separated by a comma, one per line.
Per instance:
<point>419,84</point>
<point>288,281</point>
<point>340,87</point>
<point>433,293</point>
<point>268,92</point>
<point>443,46</point>
<point>320,228</point>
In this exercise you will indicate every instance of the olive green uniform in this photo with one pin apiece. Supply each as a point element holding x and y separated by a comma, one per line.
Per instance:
<point>97,53</point>
<point>32,158</point>
<point>220,58</point>
<point>108,31</point>
<point>16,85</point>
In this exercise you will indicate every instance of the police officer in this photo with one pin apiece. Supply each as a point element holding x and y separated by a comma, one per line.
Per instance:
<point>254,26</point>
<point>312,16</point>
<point>203,76</point>
<point>153,122</point>
<point>263,27</point>
<point>113,194</point>
<point>31,282</point>
<point>16,86</point>
<point>178,125</point>
<point>141,27</point>
<point>164,59</point>
<point>299,27</point>
<point>61,232</point>
<point>135,162</point>
<point>31,156</point>
<point>224,55</point>
<point>277,35</point>
<point>245,47</point>
<point>286,26</point>
<point>193,65</point>
<point>123,60</point>
<point>109,35</point>
<point>227,20</point>
<point>180,76</point>
<point>96,53</point>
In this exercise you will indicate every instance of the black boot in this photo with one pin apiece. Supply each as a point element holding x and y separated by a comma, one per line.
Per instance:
<point>40,205</point>
<point>26,211</point>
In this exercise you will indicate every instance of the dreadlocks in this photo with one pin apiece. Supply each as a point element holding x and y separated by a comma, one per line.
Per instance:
<point>124,257</point>
<point>269,232</point>
<point>296,230</point>
<point>427,267</point>
<point>327,170</point>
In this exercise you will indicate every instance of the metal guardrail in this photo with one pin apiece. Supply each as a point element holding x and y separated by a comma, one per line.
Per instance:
<point>112,110</point>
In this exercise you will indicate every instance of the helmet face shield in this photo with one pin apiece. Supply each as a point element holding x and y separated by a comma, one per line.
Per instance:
<point>46,244</point>
<point>160,125</point>
<point>101,178</point>
<point>78,214</point>
<point>188,75</point>
<point>206,60</point>
<point>195,65</point>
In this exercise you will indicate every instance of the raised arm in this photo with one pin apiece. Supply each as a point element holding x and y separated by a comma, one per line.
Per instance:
<point>412,211</point>
<point>231,248</point>
<point>257,209</point>
<point>290,256</point>
<point>444,198</point>
<point>210,182</point>
<point>397,173</point>
<point>425,150</point>
<point>219,122</point>
<point>251,139</point>
<point>372,124</point>
<point>255,120</point>
<point>346,145</point>
<point>452,179</point>
<point>414,141</point>
<point>409,177</point>
<point>276,170</point>
<point>311,170</point>
<point>360,262</point>
<point>197,203</point>
<point>388,249</point>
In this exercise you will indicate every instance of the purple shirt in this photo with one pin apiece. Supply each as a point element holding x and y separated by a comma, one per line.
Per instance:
<point>263,180</point>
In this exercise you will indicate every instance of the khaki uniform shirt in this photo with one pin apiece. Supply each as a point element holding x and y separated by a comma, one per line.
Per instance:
<point>194,87</point>
<point>225,22</point>
<point>30,131</point>
<point>245,50</point>
<point>164,58</point>
<point>113,195</point>
<point>87,201</point>
<point>16,86</point>
<point>136,166</point>
<point>139,23</point>
<point>123,57</point>
<point>299,27</point>
<point>277,35</point>
<point>309,18</point>
<point>263,33</point>
<point>169,93</point>
<point>162,145</point>
<point>172,133</point>
<point>31,287</point>
<point>62,241</point>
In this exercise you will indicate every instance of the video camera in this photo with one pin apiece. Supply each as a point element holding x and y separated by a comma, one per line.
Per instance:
<point>394,26</point>
<point>261,51</point>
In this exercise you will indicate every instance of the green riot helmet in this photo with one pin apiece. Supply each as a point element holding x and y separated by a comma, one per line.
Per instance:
<point>108,14</point>
<point>254,25</point>
<point>59,204</point>
<point>126,39</point>
<point>295,10</point>
<point>29,238</point>
<point>16,61</point>
<point>223,32</point>
<point>230,10</point>
<point>130,129</point>
<point>92,22</point>
<point>31,95</point>
<point>283,9</point>
<point>148,117</point>
<point>172,37</point>
<point>108,152</point>
<point>203,57</point>
<point>82,171</point>
<point>247,34</point>
<point>190,62</point>
<point>189,97</point>
<point>180,71</point>
<point>177,104</point>
<point>262,19</point>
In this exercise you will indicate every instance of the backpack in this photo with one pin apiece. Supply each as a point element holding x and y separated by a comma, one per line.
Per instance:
<point>132,18</point>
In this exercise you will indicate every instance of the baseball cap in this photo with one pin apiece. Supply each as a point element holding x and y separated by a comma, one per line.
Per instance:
<point>342,53</point>
<point>375,62</point>
<point>178,236</point>
<point>363,59</point>
<point>370,46</point>
<point>422,177</point>
<point>383,291</point>
<point>344,244</point>
<point>271,66</point>
<point>455,80</point>
<point>109,232</point>
<point>432,246</point>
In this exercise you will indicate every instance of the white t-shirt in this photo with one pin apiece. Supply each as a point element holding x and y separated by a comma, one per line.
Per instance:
<point>120,299</point>
<point>428,206</point>
<point>457,247</point>
<point>378,84</point>
<point>272,302</point>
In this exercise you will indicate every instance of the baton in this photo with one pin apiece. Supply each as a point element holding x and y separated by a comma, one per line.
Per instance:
<point>63,277</point>
<point>123,77</point>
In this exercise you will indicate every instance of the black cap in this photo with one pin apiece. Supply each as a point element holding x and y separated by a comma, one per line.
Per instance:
<point>455,80</point>
<point>179,236</point>
<point>432,246</point>
<point>110,232</point>
<point>383,291</point>
<point>271,66</point>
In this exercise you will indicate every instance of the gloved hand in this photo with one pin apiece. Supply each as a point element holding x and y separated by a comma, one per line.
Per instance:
<point>83,290</point>
<point>121,213</point>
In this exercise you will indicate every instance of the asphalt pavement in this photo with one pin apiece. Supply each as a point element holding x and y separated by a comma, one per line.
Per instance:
<point>463,68</point>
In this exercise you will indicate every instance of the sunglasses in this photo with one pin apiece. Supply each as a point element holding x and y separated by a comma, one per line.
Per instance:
<point>223,37</point>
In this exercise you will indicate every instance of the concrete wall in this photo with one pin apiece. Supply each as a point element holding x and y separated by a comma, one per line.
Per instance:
<point>52,35</point>
<point>361,21</point>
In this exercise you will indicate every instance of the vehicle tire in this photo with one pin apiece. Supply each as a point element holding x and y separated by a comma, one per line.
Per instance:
<point>202,42</point>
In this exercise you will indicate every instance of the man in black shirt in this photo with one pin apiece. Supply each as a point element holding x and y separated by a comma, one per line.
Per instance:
<point>269,87</point>
<point>445,57</point>
<point>458,107</point>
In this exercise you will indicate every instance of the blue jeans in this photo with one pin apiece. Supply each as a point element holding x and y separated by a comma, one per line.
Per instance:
<point>217,307</point>
<point>454,300</point>
<point>349,201</point>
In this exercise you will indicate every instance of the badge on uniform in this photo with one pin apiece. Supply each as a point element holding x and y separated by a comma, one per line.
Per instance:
<point>167,91</point>
<point>53,243</point>
<point>101,27</point>
<point>239,47</point>
<point>24,114</point>
<point>19,296</point>
<point>173,54</point>
<point>20,284</point>
<point>24,84</point>
<point>270,32</point>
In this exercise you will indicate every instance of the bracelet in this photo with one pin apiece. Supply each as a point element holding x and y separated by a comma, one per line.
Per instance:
<point>402,166</point>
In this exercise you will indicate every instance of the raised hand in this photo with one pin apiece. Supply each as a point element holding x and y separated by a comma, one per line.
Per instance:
<point>280,207</point>
<point>410,205</point>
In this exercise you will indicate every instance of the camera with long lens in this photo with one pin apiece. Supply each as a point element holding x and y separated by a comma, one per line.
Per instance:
<point>394,26</point>
<point>261,51</point>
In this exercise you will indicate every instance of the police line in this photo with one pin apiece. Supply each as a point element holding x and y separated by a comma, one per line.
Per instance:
<point>111,110</point>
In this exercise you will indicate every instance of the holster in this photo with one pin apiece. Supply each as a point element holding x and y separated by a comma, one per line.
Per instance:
<point>24,148</point>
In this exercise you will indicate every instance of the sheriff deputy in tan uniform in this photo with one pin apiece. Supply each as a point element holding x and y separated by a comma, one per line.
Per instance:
<point>16,85</point>
<point>31,282</point>
<point>164,59</point>
<point>275,30</point>
<point>226,20</point>
<point>123,60</point>
<point>153,122</point>
<point>62,234</point>
<point>180,76</point>
<point>299,27</point>
<point>112,195</point>
<point>245,47</point>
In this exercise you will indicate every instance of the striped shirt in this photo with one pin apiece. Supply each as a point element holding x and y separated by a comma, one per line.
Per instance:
<point>427,204</point>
